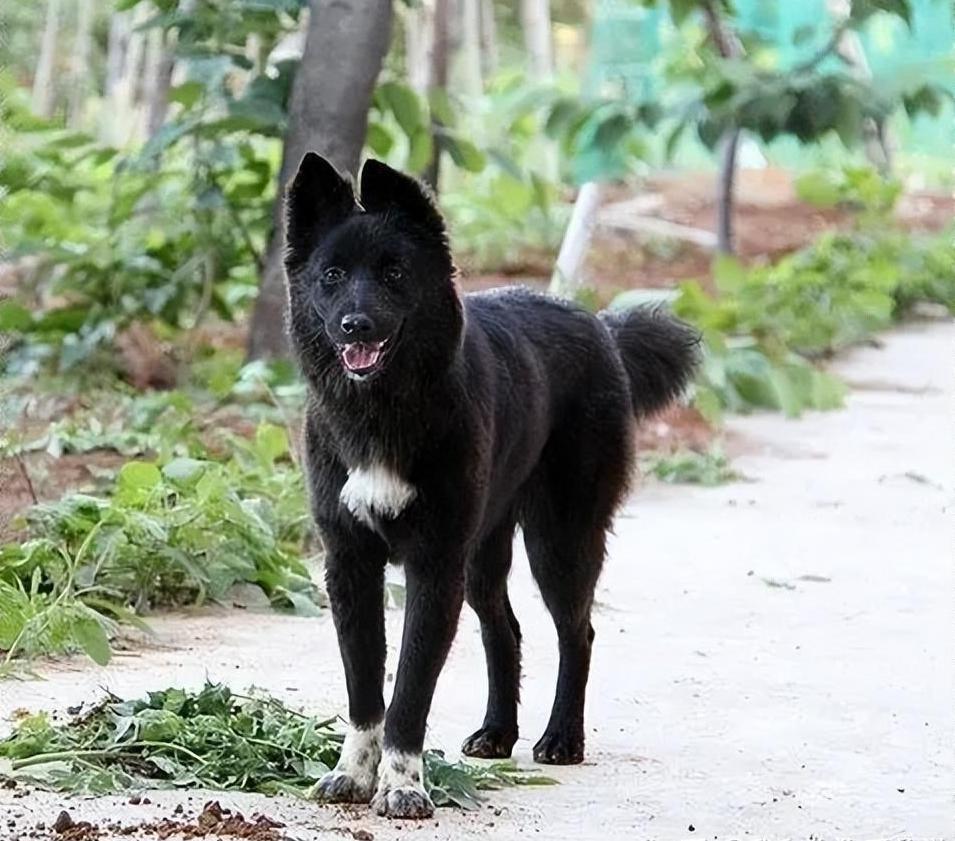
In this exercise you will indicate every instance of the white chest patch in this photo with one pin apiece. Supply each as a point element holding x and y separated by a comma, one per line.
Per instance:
<point>376,491</point>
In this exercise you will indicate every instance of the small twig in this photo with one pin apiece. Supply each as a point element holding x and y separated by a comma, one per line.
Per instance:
<point>831,46</point>
<point>18,458</point>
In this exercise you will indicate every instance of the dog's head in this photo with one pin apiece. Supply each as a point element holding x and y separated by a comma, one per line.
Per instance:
<point>362,275</point>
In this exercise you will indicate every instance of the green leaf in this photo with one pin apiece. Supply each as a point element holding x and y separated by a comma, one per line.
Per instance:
<point>187,94</point>
<point>136,480</point>
<point>441,108</point>
<point>817,187</point>
<point>403,102</point>
<point>680,10</point>
<point>14,317</point>
<point>91,638</point>
<point>463,152</point>
<point>862,10</point>
<point>271,442</point>
<point>729,274</point>
<point>379,139</point>
<point>420,151</point>
<point>184,470</point>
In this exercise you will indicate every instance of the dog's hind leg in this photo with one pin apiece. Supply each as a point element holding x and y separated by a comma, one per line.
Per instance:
<point>486,592</point>
<point>568,507</point>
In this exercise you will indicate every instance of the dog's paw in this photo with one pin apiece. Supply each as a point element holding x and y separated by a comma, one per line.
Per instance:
<point>560,748</point>
<point>404,802</point>
<point>339,787</point>
<point>489,743</point>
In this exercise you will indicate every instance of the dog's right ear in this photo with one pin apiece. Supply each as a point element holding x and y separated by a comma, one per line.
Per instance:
<point>317,198</point>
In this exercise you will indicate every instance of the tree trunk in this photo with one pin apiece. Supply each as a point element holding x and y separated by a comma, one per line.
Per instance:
<point>566,278</point>
<point>419,45</point>
<point>728,46</point>
<point>345,45</point>
<point>116,47</point>
<point>44,93</point>
<point>535,21</point>
<point>725,191</point>
<point>163,61</point>
<point>489,50</point>
<point>81,71</point>
<point>438,80</point>
<point>469,56</point>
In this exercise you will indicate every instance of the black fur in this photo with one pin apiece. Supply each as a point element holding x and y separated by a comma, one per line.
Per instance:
<point>500,409</point>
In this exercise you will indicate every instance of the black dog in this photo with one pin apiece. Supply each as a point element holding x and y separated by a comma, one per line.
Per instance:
<point>435,426</point>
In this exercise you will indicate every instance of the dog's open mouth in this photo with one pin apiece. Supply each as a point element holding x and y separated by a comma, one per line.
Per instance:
<point>363,357</point>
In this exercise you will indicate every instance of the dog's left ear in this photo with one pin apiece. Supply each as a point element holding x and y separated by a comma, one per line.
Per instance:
<point>384,188</point>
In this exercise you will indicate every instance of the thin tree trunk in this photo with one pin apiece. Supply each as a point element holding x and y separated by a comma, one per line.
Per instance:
<point>728,46</point>
<point>44,93</point>
<point>121,121</point>
<point>535,21</point>
<point>81,71</point>
<point>725,191</point>
<point>328,112</point>
<point>469,60</point>
<point>163,61</point>
<point>489,48</point>
<point>438,80</point>
<point>117,45</point>
<point>419,44</point>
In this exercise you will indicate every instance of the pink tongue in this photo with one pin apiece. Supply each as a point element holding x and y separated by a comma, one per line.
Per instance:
<point>359,355</point>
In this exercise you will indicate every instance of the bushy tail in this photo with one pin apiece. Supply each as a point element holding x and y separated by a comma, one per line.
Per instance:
<point>659,353</point>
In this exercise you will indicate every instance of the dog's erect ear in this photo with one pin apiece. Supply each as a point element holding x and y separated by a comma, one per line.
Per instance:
<point>383,188</point>
<point>317,198</point>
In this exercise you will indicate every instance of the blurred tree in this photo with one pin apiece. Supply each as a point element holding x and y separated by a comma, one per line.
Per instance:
<point>81,70</point>
<point>723,90</point>
<point>535,20</point>
<point>345,46</point>
<point>44,92</point>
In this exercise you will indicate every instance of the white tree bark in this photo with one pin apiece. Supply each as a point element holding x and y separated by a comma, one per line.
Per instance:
<point>123,119</point>
<point>535,20</point>
<point>489,49</point>
<point>81,70</point>
<point>419,44</point>
<point>573,249</point>
<point>44,92</point>
<point>469,55</point>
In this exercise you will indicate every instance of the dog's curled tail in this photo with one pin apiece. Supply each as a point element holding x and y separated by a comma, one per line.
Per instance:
<point>659,352</point>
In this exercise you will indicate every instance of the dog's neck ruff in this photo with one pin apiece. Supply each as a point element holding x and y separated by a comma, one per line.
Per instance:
<point>376,491</point>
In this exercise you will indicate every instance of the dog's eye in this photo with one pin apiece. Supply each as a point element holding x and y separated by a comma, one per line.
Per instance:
<point>333,275</point>
<point>394,274</point>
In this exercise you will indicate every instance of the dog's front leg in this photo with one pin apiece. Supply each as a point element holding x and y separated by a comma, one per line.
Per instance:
<point>354,579</point>
<point>432,607</point>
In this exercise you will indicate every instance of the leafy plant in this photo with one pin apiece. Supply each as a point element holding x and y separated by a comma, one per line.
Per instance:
<point>181,533</point>
<point>213,739</point>
<point>689,467</point>
<point>765,325</point>
<point>35,622</point>
<point>114,239</point>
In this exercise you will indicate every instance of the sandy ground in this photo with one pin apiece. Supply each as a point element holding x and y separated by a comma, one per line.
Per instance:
<point>773,658</point>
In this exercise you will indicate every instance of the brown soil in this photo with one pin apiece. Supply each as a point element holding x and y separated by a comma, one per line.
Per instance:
<point>213,821</point>
<point>38,477</point>
<point>769,222</point>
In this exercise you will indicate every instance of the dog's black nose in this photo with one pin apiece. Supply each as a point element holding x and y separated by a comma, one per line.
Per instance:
<point>356,324</point>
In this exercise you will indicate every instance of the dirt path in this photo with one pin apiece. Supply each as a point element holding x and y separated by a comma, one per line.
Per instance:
<point>773,657</point>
